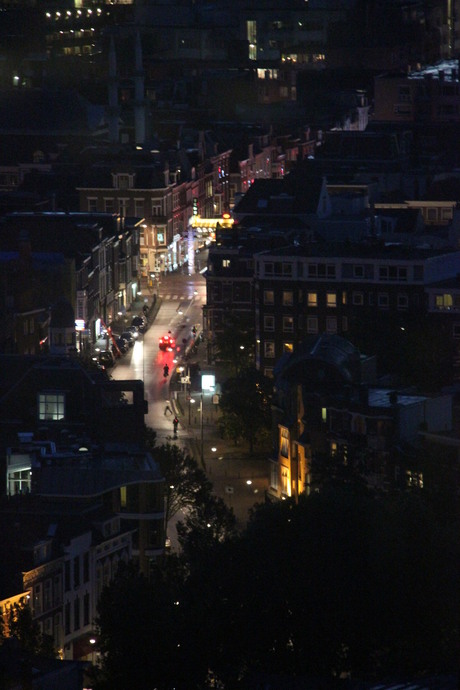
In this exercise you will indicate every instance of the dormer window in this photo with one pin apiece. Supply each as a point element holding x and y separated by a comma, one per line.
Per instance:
<point>51,406</point>
<point>123,180</point>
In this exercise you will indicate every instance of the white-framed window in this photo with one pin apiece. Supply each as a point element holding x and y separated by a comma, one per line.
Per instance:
<point>288,298</point>
<point>331,324</point>
<point>288,324</point>
<point>383,300</point>
<point>92,204</point>
<point>123,206</point>
<point>269,297</point>
<point>109,205</point>
<point>312,324</point>
<point>312,299</point>
<point>331,299</point>
<point>403,301</point>
<point>393,273</point>
<point>51,406</point>
<point>139,207</point>
<point>269,322</point>
<point>358,298</point>
<point>269,349</point>
<point>157,208</point>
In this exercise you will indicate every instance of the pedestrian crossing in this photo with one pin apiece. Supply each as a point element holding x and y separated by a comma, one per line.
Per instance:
<point>181,298</point>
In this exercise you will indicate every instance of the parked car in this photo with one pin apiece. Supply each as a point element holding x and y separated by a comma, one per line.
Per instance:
<point>121,344</point>
<point>140,322</point>
<point>133,330</point>
<point>106,358</point>
<point>129,337</point>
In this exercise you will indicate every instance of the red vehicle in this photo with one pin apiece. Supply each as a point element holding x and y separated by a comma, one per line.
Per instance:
<point>167,342</point>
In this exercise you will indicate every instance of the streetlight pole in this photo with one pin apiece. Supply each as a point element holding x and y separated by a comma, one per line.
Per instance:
<point>201,421</point>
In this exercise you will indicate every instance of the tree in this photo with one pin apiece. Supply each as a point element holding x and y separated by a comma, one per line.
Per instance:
<point>245,406</point>
<point>26,630</point>
<point>185,482</point>
<point>234,344</point>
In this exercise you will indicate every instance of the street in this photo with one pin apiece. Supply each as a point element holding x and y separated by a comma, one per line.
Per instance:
<point>239,480</point>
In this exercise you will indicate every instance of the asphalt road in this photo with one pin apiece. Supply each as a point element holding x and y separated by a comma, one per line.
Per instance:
<point>237,478</point>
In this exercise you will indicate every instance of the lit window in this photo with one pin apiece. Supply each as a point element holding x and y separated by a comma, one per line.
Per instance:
<point>284,443</point>
<point>288,347</point>
<point>331,299</point>
<point>225,263</point>
<point>344,297</point>
<point>288,298</point>
<point>51,406</point>
<point>269,349</point>
<point>269,297</point>
<point>312,299</point>
<point>444,301</point>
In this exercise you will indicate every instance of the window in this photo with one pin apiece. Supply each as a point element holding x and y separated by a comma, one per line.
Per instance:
<point>331,324</point>
<point>312,324</point>
<point>383,301</point>
<point>92,204</point>
<point>51,406</point>
<point>269,297</point>
<point>67,618</point>
<point>288,323</point>
<point>358,271</point>
<point>288,298</point>
<point>139,207</point>
<point>38,599</point>
<point>403,301</point>
<point>109,205</point>
<point>156,208</point>
<point>269,322</point>
<point>312,299</point>
<point>76,614</point>
<point>76,571</point>
<point>444,301</point>
<point>287,269</point>
<point>123,207</point>
<point>67,576</point>
<point>331,299</point>
<point>86,567</point>
<point>344,324</point>
<point>225,263</point>
<point>288,347</point>
<point>269,349</point>
<point>414,479</point>
<point>358,298</point>
<point>344,297</point>
<point>86,609</point>
<point>284,443</point>
<point>393,273</point>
